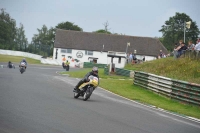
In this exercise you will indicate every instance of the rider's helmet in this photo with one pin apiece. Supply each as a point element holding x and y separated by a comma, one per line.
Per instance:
<point>23,59</point>
<point>95,70</point>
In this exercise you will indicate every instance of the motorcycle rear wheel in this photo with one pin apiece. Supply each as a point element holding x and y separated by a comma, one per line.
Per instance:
<point>87,95</point>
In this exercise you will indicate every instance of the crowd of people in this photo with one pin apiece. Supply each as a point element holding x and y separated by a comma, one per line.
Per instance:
<point>181,47</point>
<point>178,50</point>
<point>131,58</point>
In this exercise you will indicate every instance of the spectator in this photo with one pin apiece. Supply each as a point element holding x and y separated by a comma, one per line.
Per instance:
<point>197,46</point>
<point>63,60</point>
<point>181,50</point>
<point>176,48</point>
<point>143,59</point>
<point>130,57</point>
<point>175,45</point>
<point>180,42</point>
<point>162,55</point>
<point>190,45</point>
<point>127,57</point>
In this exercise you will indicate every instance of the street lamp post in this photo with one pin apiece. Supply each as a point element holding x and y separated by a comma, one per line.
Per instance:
<point>184,31</point>
<point>128,44</point>
<point>186,25</point>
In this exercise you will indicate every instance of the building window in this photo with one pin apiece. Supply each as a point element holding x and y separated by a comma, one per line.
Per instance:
<point>88,52</point>
<point>69,51</point>
<point>63,51</point>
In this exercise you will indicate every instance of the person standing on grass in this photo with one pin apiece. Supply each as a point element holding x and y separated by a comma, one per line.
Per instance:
<point>182,49</point>
<point>131,57</point>
<point>197,46</point>
<point>190,45</point>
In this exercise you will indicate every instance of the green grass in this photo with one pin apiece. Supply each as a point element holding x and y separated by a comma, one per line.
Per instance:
<point>17,59</point>
<point>182,69</point>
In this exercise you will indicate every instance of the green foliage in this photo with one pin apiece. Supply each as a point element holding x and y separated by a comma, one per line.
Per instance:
<point>7,30</point>
<point>20,39</point>
<point>173,30</point>
<point>43,41</point>
<point>102,31</point>
<point>11,37</point>
<point>68,26</point>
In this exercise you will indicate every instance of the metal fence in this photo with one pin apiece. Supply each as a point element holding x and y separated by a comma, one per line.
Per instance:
<point>106,70</point>
<point>118,71</point>
<point>90,65</point>
<point>192,54</point>
<point>176,89</point>
<point>122,72</point>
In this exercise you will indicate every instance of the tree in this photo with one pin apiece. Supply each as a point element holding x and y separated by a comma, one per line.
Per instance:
<point>105,30</point>
<point>7,31</point>
<point>43,41</point>
<point>106,24</point>
<point>21,40</point>
<point>173,30</point>
<point>68,26</point>
<point>102,31</point>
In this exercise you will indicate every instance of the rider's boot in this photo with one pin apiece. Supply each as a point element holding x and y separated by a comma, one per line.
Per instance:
<point>77,86</point>
<point>75,89</point>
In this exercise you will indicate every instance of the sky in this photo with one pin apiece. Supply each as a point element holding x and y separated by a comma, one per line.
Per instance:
<point>130,17</point>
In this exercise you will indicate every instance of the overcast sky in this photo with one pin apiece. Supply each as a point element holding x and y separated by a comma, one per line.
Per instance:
<point>129,17</point>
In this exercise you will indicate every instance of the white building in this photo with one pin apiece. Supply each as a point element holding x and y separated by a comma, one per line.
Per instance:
<point>78,47</point>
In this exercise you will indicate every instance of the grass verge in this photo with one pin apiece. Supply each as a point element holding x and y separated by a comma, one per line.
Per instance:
<point>182,68</point>
<point>126,89</point>
<point>17,59</point>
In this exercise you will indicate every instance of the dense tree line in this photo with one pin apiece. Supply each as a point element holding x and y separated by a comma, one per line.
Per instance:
<point>43,42</point>
<point>11,37</point>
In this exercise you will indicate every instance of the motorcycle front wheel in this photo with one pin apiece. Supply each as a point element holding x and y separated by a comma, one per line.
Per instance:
<point>76,95</point>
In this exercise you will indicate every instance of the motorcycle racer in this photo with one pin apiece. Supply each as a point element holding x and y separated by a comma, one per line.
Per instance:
<point>94,72</point>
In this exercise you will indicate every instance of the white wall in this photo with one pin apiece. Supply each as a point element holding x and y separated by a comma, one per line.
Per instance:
<point>102,56</point>
<point>116,62</point>
<point>147,58</point>
<point>20,53</point>
<point>29,55</point>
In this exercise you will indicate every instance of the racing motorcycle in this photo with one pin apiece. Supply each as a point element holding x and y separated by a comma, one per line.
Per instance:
<point>65,66</point>
<point>85,90</point>
<point>22,67</point>
<point>10,65</point>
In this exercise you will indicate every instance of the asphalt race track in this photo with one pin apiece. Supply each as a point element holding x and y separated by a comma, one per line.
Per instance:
<point>41,101</point>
